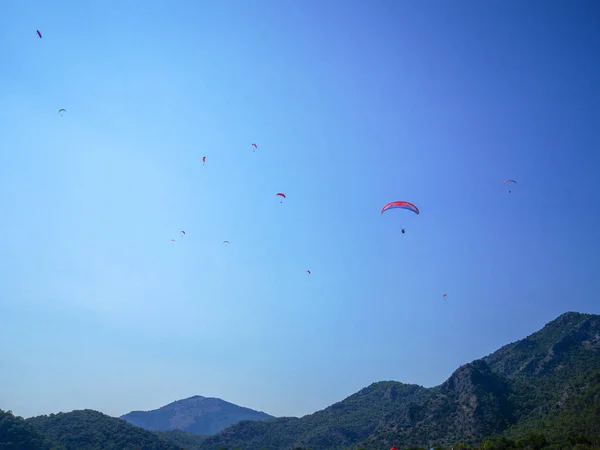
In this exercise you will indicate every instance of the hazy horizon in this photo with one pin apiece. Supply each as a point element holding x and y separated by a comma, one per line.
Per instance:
<point>352,105</point>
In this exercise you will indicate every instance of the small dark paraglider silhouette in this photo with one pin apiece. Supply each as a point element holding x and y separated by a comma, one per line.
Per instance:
<point>403,230</point>
<point>509,181</point>
<point>38,33</point>
<point>281,194</point>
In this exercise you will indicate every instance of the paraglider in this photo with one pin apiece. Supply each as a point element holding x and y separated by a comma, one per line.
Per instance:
<point>509,181</point>
<point>445,295</point>
<point>225,242</point>
<point>203,160</point>
<point>172,240</point>
<point>403,231</point>
<point>255,146</point>
<point>402,205</point>
<point>182,233</point>
<point>38,33</point>
<point>62,111</point>
<point>308,271</point>
<point>280,194</point>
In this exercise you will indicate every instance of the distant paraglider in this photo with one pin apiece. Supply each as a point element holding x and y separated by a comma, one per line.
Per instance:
<point>62,111</point>
<point>509,181</point>
<point>402,205</point>
<point>172,240</point>
<point>445,295</point>
<point>182,233</point>
<point>225,242</point>
<point>38,33</point>
<point>203,160</point>
<point>308,272</point>
<point>280,194</point>
<point>403,230</point>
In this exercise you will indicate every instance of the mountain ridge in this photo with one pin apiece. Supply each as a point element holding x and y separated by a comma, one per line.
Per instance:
<point>488,396</point>
<point>540,389</point>
<point>195,414</point>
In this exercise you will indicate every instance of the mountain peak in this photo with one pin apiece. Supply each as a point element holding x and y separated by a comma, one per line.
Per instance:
<point>482,398</point>
<point>550,348</point>
<point>196,414</point>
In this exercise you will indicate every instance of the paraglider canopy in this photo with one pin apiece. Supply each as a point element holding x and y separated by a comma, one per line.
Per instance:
<point>225,242</point>
<point>401,205</point>
<point>308,271</point>
<point>62,111</point>
<point>203,160</point>
<point>38,33</point>
<point>509,181</point>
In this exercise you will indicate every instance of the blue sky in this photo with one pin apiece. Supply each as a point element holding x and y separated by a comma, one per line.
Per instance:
<point>352,105</point>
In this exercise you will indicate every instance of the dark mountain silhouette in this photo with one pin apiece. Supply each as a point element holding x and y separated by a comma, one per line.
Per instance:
<point>201,415</point>
<point>515,389</point>
<point>91,430</point>
<point>542,392</point>
<point>16,433</point>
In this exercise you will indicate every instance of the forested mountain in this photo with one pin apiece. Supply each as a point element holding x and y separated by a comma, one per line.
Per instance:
<point>16,433</point>
<point>519,388</point>
<point>202,415</point>
<point>92,430</point>
<point>540,392</point>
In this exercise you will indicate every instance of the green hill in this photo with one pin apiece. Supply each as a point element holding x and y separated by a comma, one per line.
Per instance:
<point>183,439</point>
<point>92,430</point>
<point>514,388</point>
<point>542,392</point>
<point>17,434</point>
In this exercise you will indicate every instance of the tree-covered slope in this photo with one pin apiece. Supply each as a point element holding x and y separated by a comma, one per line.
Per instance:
<point>17,434</point>
<point>92,430</point>
<point>515,385</point>
<point>183,439</point>
<point>337,426</point>
<point>573,414</point>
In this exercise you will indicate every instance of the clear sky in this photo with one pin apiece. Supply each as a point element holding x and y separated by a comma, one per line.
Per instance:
<point>352,105</point>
